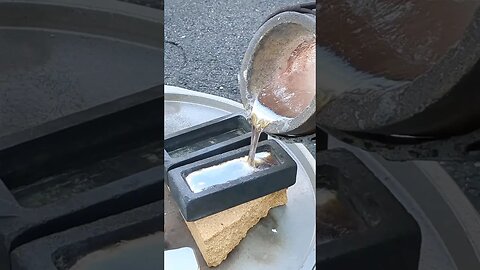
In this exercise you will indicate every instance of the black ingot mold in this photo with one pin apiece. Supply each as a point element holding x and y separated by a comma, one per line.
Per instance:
<point>217,198</point>
<point>73,170</point>
<point>208,139</point>
<point>62,250</point>
<point>365,227</point>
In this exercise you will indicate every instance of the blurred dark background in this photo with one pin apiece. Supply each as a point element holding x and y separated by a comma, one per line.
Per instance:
<point>149,3</point>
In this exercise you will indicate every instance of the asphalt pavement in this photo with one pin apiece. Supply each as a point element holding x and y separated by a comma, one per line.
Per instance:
<point>205,41</point>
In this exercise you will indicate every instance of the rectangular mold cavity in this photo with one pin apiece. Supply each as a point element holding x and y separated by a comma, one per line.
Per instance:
<point>130,240</point>
<point>83,157</point>
<point>207,139</point>
<point>216,132</point>
<point>228,171</point>
<point>360,224</point>
<point>231,191</point>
